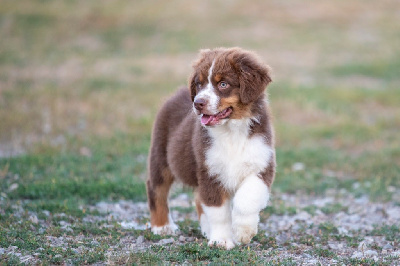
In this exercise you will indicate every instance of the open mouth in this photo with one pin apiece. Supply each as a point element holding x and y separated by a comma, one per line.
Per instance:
<point>211,120</point>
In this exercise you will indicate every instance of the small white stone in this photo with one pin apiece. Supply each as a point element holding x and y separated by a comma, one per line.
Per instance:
<point>302,216</point>
<point>387,246</point>
<point>13,187</point>
<point>166,241</point>
<point>132,225</point>
<point>393,213</point>
<point>367,253</point>
<point>25,259</point>
<point>33,218</point>
<point>140,240</point>
<point>343,231</point>
<point>85,151</point>
<point>298,167</point>
<point>370,253</point>
<point>76,250</point>
<point>357,255</point>
<point>321,202</point>
<point>362,200</point>
<point>335,246</point>
<point>365,244</point>
<point>63,223</point>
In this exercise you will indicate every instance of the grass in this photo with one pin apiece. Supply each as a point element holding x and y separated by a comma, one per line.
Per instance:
<point>195,253</point>
<point>328,228</point>
<point>107,173</point>
<point>80,85</point>
<point>324,253</point>
<point>385,69</point>
<point>391,233</point>
<point>89,242</point>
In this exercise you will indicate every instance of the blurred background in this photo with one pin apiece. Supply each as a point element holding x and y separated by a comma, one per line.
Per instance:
<point>81,82</point>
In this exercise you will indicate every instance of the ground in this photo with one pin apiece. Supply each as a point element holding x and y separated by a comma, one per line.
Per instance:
<point>80,85</point>
<point>295,229</point>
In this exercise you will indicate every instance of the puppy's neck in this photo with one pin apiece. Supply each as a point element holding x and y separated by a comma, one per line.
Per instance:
<point>232,129</point>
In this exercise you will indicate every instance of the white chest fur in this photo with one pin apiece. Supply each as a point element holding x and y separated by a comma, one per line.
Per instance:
<point>233,155</point>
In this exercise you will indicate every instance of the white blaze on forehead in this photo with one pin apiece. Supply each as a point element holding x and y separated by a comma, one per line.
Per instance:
<point>208,93</point>
<point>210,72</point>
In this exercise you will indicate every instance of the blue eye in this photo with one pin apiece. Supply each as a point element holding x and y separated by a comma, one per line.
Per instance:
<point>223,85</point>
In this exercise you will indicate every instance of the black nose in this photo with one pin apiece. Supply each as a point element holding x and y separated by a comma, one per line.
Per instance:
<point>199,103</point>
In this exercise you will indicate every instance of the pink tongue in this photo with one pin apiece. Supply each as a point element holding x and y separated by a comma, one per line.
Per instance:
<point>206,119</point>
<point>209,120</point>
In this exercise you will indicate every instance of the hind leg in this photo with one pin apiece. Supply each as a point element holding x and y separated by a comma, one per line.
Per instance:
<point>158,186</point>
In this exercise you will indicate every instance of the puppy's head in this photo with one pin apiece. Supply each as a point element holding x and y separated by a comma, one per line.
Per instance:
<point>225,83</point>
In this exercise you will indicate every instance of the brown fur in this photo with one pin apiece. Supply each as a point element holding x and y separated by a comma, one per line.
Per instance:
<point>179,142</point>
<point>199,209</point>
<point>158,206</point>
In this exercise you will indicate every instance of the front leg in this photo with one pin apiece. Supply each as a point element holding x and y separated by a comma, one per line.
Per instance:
<point>213,204</point>
<point>251,197</point>
<point>218,228</point>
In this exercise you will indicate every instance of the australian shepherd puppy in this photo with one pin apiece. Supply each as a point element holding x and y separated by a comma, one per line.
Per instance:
<point>217,137</point>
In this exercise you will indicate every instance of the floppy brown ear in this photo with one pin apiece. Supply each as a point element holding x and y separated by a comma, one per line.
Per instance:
<point>254,76</point>
<point>203,53</point>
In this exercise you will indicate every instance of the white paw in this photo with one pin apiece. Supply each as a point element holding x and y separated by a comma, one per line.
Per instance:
<point>244,233</point>
<point>168,229</point>
<point>205,227</point>
<point>222,243</point>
